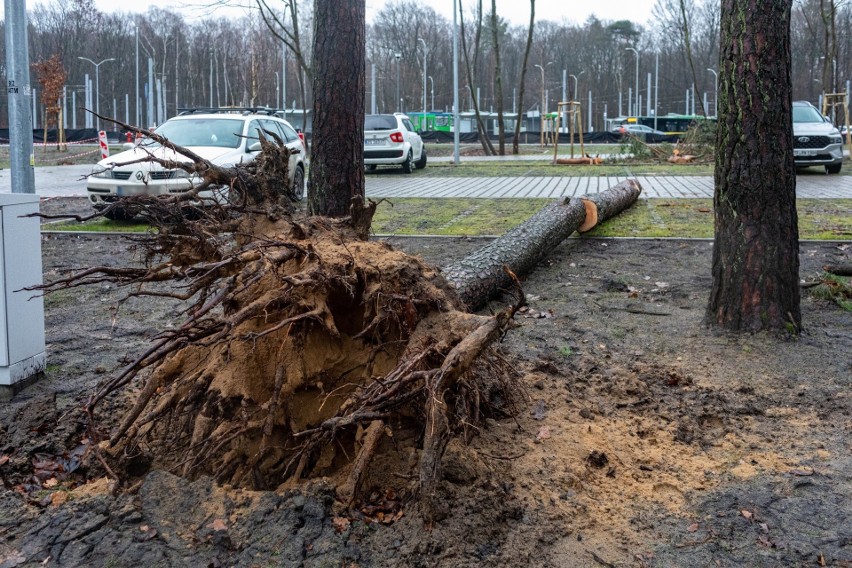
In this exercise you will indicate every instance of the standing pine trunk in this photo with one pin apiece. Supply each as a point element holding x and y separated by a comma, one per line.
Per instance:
<point>337,157</point>
<point>755,255</point>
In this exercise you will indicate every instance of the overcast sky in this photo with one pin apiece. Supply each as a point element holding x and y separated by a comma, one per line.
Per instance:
<point>516,11</point>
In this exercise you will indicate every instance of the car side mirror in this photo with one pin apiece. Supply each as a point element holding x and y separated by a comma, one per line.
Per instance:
<point>254,147</point>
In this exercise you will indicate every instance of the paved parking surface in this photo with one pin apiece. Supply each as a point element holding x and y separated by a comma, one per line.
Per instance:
<point>52,181</point>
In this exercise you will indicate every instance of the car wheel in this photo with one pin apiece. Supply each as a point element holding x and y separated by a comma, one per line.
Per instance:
<point>421,163</point>
<point>370,168</point>
<point>299,184</point>
<point>408,164</point>
<point>833,168</point>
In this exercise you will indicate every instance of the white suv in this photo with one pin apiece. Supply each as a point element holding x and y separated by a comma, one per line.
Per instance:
<point>224,136</point>
<point>816,142</point>
<point>390,139</point>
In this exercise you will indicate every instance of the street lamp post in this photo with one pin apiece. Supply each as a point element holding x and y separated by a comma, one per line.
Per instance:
<point>97,87</point>
<point>716,92</point>
<point>636,107</point>
<point>397,56</point>
<point>277,91</point>
<point>425,55</point>
<point>543,108</point>
<point>576,77</point>
<point>432,91</point>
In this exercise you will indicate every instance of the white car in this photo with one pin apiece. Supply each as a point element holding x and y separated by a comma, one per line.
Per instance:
<point>390,139</point>
<point>225,137</point>
<point>816,142</point>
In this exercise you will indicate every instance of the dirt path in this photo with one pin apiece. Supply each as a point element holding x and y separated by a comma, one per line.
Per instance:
<point>645,439</point>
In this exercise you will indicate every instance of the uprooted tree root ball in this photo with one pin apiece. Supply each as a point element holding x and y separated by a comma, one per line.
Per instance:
<point>320,337</point>
<point>307,351</point>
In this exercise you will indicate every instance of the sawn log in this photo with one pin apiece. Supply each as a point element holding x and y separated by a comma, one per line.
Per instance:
<point>480,276</point>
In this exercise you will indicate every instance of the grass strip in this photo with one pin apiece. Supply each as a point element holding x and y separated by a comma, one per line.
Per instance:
<point>819,219</point>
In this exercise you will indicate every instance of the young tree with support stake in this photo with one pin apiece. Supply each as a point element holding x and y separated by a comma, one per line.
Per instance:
<point>755,255</point>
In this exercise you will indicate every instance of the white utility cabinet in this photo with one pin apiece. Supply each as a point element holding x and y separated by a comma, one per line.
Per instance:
<point>22,352</point>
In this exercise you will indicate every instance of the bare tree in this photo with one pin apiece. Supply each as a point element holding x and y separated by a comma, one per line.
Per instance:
<point>522,80</point>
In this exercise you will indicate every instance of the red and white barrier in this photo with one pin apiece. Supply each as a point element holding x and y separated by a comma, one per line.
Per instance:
<point>102,140</point>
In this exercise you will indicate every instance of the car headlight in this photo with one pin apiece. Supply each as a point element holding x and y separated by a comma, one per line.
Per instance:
<point>835,139</point>
<point>101,172</point>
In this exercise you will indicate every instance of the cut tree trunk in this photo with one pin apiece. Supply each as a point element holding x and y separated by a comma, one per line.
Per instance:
<point>839,269</point>
<point>480,276</point>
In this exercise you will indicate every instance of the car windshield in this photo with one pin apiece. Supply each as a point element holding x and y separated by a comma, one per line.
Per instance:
<point>806,114</point>
<point>380,122</point>
<point>218,132</point>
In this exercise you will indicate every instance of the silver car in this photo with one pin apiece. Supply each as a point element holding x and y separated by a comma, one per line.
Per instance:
<point>390,139</point>
<point>224,138</point>
<point>816,142</point>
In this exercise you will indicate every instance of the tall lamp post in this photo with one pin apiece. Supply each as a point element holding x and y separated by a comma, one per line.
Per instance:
<point>425,55</point>
<point>576,77</point>
<point>636,106</point>
<point>97,87</point>
<point>716,92</point>
<point>277,91</point>
<point>397,56</point>
<point>543,109</point>
<point>432,91</point>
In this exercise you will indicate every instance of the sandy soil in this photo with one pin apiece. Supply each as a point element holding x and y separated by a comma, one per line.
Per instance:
<point>645,438</point>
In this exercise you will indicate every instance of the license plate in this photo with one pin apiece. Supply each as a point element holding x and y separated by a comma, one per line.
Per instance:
<point>804,153</point>
<point>374,142</point>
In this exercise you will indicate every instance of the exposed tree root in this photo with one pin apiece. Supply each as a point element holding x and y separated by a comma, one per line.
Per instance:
<point>305,351</point>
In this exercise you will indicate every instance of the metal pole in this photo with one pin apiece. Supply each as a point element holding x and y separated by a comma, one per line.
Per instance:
<point>425,54</point>
<point>648,101</point>
<point>455,85</point>
<point>211,79</point>
<point>656,89</point>
<point>373,90</point>
<point>138,117</point>
<point>636,108</point>
<point>398,106</point>
<point>151,118</point>
<point>432,91</point>
<point>283,78</point>
<point>715,91</point>
<point>19,91</point>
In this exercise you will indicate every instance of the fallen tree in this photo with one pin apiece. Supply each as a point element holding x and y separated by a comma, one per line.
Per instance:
<point>480,276</point>
<point>307,350</point>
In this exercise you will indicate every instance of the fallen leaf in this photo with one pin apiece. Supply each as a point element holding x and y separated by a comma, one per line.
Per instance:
<point>4,459</point>
<point>543,433</point>
<point>52,482</point>
<point>58,498</point>
<point>692,528</point>
<point>340,524</point>
<point>661,284</point>
<point>703,210</point>
<point>747,514</point>
<point>218,525</point>
<point>764,541</point>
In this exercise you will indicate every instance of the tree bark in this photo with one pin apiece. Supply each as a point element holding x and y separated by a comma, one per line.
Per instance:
<point>755,255</point>
<point>480,276</point>
<point>337,171</point>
